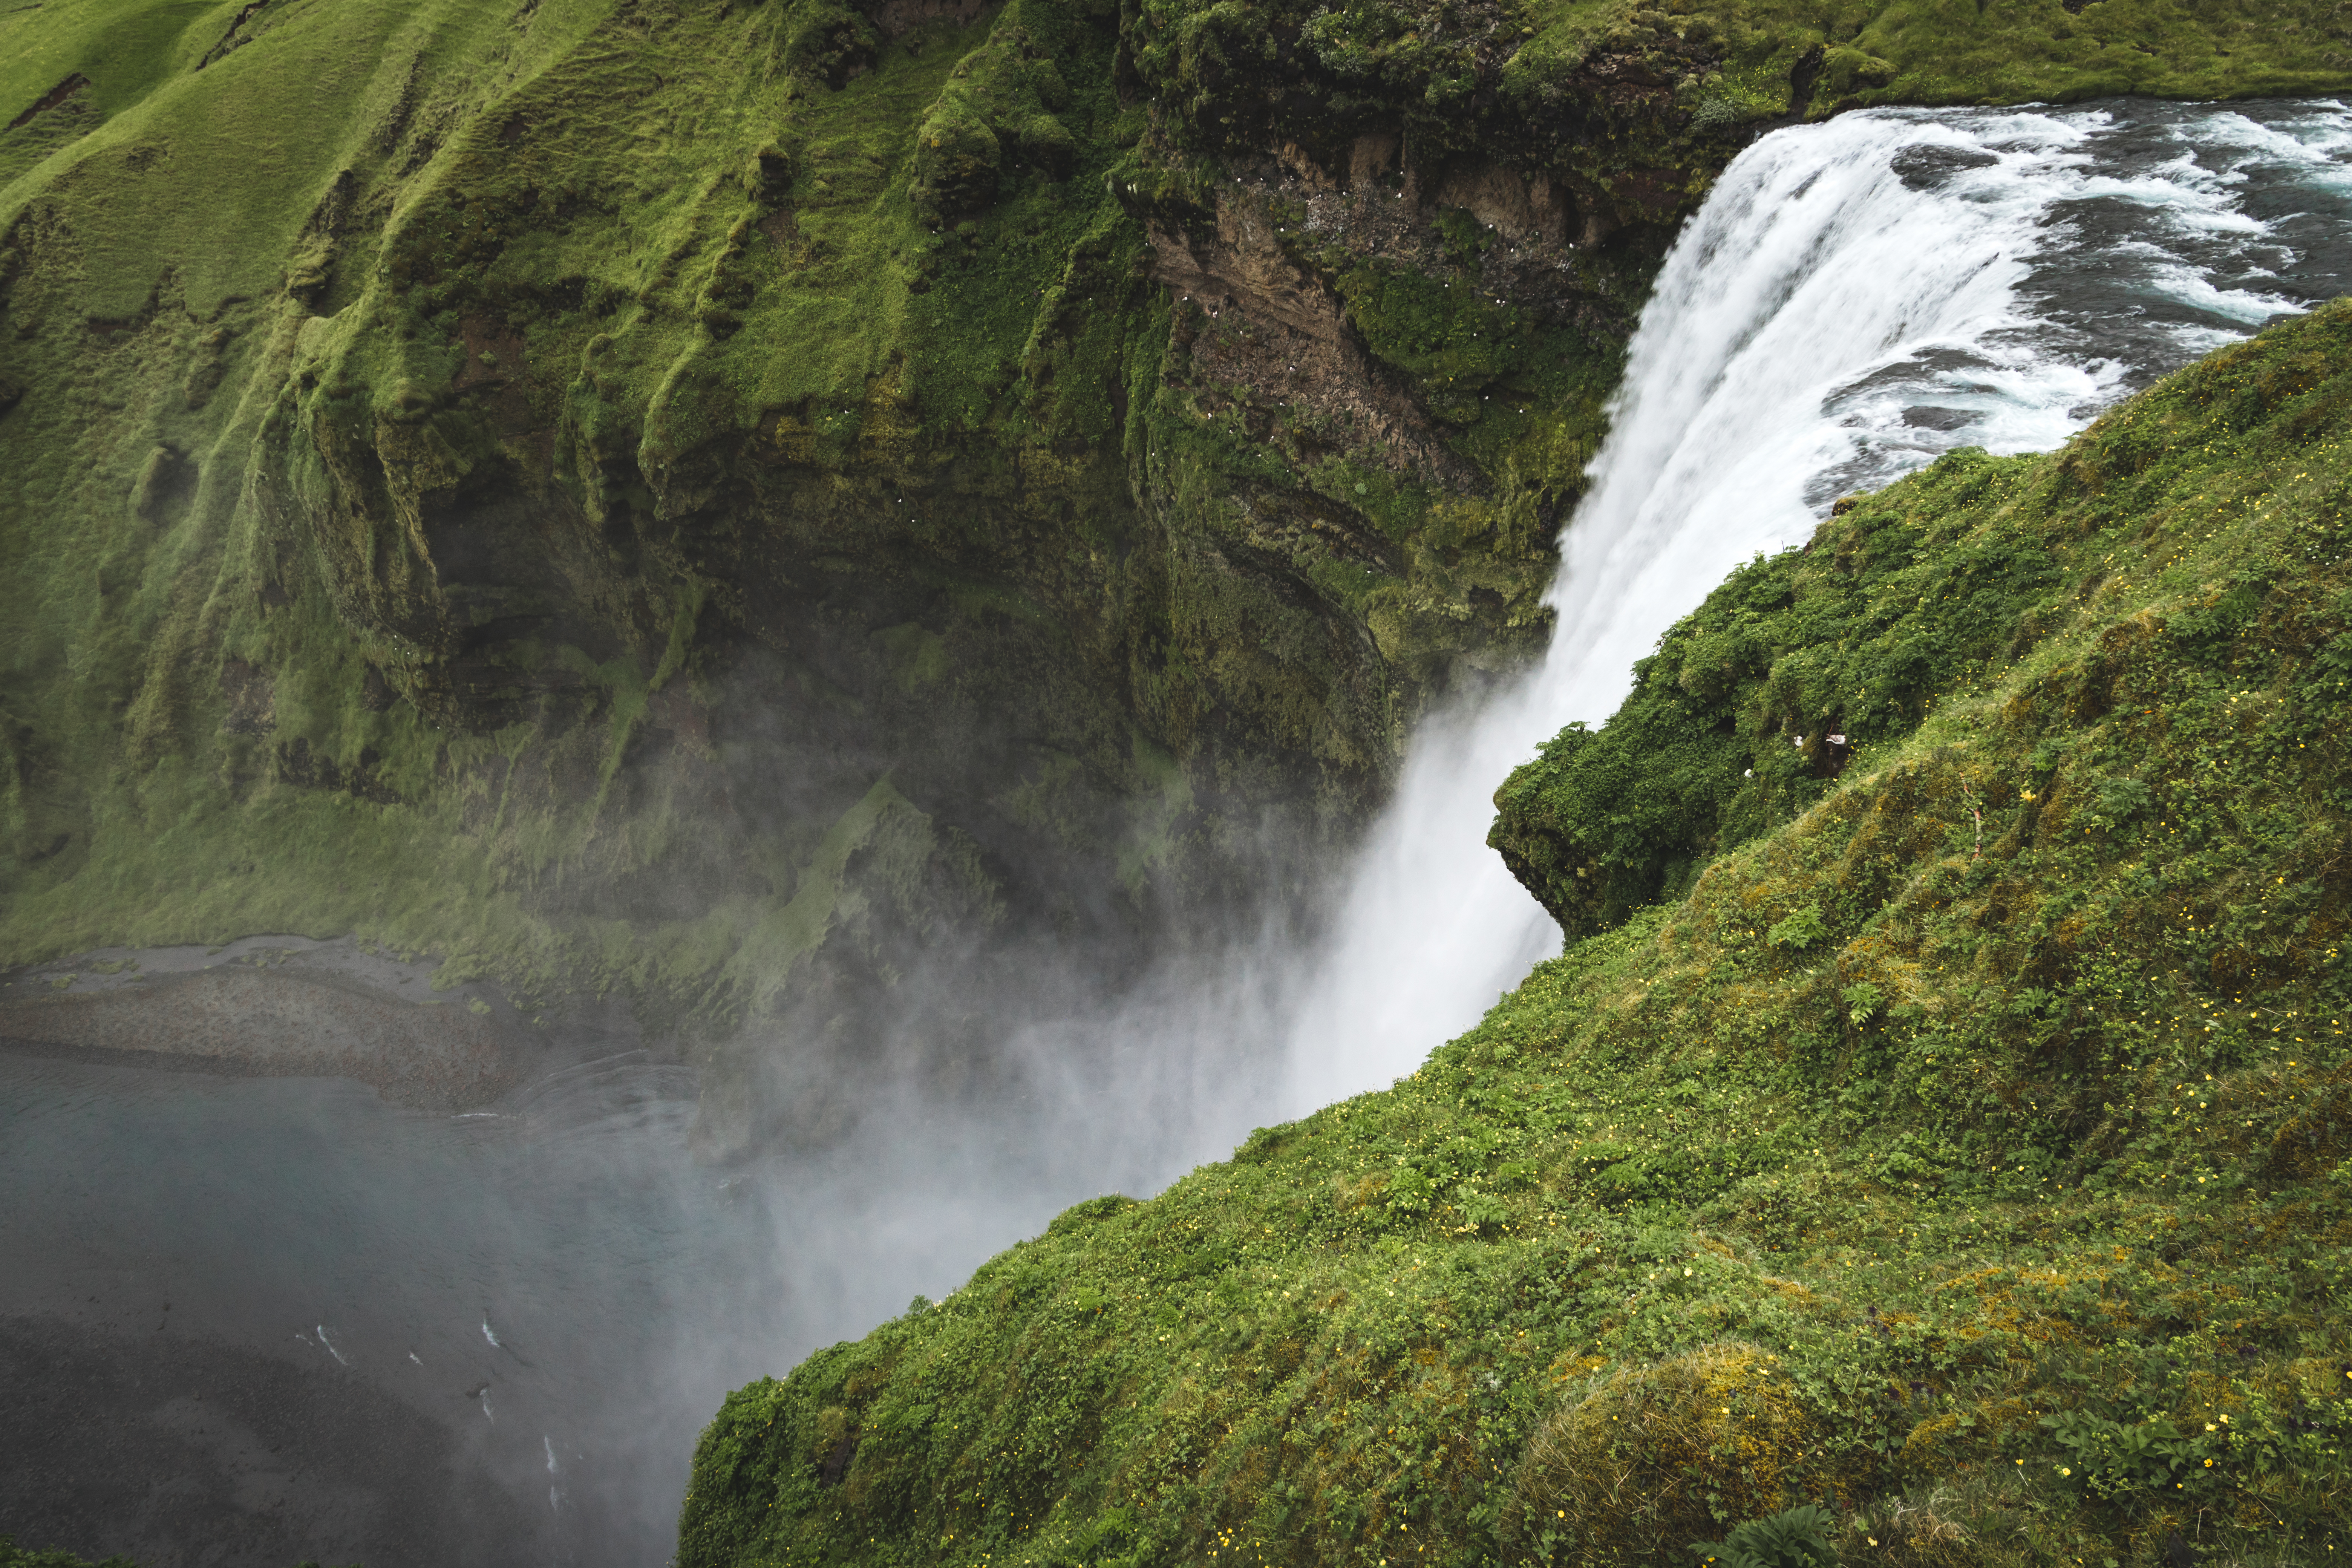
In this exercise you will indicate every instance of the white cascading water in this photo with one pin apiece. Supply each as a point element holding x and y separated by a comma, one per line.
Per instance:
<point>1853,298</point>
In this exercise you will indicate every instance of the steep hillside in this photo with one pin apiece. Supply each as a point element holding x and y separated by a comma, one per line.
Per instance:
<point>1960,1142</point>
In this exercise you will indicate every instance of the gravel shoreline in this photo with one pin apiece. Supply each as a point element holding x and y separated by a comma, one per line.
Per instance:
<point>278,1006</point>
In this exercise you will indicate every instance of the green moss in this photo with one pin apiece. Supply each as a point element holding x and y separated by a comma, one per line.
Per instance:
<point>284,665</point>
<point>1903,52</point>
<point>918,657</point>
<point>1728,729</point>
<point>1443,333</point>
<point>1984,1110</point>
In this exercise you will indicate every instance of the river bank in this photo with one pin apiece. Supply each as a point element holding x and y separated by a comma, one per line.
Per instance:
<point>297,1007</point>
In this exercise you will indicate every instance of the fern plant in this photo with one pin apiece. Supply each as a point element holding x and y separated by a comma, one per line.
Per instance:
<point>1794,1538</point>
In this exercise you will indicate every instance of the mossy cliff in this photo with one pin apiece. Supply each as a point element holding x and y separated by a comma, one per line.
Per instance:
<point>1951,1126</point>
<point>718,500</point>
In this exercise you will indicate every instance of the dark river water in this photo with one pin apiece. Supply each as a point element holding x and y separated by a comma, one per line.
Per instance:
<point>258,1319</point>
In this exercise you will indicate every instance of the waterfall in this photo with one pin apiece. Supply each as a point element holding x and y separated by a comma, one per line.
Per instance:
<point>1853,299</point>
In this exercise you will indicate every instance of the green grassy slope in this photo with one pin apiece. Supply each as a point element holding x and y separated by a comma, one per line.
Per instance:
<point>1449,68</point>
<point>1756,703</point>
<point>1964,1145</point>
<point>1955,51</point>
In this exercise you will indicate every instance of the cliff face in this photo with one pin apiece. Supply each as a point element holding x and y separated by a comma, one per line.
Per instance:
<point>1959,1140</point>
<point>715,501</point>
<point>724,501</point>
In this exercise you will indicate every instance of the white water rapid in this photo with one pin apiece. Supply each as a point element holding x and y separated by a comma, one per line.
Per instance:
<point>1853,298</point>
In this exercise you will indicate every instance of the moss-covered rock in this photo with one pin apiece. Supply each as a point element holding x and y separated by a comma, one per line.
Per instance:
<point>1664,1451</point>
<point>1965,1150</point>
<point>1754,704</point>
<point>956,157</point>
